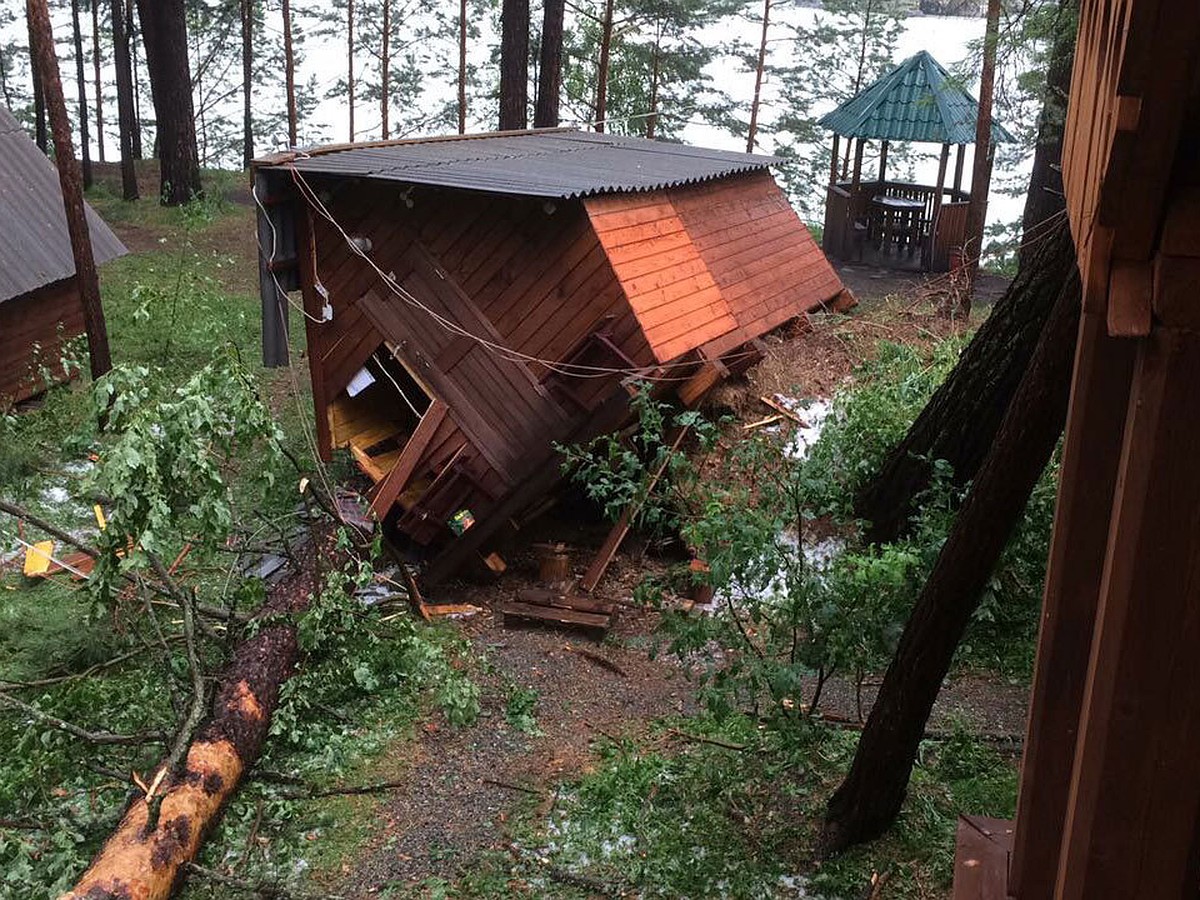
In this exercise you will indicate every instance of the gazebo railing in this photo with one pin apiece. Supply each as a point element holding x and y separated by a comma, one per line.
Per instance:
<point>848,214</point>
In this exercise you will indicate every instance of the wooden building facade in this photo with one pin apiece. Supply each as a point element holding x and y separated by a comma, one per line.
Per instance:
<point>40,309</point>
<point>471,301</point>
<point>1109,805</point>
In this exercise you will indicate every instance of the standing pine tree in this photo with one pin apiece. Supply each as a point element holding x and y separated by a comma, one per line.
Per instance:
<point>514,65</point>
<point>81,85</point>
<point>127,123</point>
<point>649,78</point>
<point>550,64</point>
<point>97,63</point>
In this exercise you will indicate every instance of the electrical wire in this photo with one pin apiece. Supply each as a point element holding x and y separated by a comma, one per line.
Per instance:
<point>576,370</point>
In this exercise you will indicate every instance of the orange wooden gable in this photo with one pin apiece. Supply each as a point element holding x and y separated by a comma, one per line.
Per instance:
<point>712,265</point>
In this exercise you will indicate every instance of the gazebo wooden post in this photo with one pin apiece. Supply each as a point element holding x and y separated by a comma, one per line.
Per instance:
<point>858,155</point>
<point>833,163</point>
<point>958,169</point>
<point>883,151</point>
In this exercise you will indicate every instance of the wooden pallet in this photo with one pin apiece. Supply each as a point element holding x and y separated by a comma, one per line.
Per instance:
<point>560,609</point>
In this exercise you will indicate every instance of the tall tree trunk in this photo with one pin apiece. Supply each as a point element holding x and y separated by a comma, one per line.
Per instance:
<point>86,279</point>
<point>981,165</point>
<point>868,801</point>
<point>5,92</point>
<point>1045,198</point>
<point>289,68</point>
<point>545,114</point>
<point>752,134</point>
<point>350,63</point>
<point>960,421</point>
<point>514,65</point>
<point>81,84</point>
<point>606,32</point>
<point>462,66</point>
<point>385,64</point>
<point>96,62</point>
<point>40,136</point>
<point>652,112</point>
<point>126,119</point>
<point>131,37</point>
<point>164,31</point>
<point>247,83</point>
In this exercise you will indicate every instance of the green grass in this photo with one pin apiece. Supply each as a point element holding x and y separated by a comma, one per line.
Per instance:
<point>683,818</point>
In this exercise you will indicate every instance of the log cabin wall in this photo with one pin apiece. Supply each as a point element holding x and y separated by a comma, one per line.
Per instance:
<point>33,329</point>
<point>525,274</point>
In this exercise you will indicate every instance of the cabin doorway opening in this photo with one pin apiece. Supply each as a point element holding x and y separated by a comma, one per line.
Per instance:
<point>377,413</point>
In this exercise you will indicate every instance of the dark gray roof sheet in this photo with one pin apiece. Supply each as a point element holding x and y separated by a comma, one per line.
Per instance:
<point>35,248</point>
<point>551,163</point>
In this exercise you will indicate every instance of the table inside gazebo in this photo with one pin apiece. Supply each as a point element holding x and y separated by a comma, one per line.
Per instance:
<point>895,223</point>
<point>890,222</point>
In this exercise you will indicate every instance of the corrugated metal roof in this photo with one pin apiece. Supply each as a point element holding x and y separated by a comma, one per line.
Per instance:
<point>549,163</point>
<point>35,248</point>
<point>916,101</point>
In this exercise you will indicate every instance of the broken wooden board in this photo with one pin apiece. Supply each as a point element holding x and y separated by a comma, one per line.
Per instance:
<point>563,600</point>
<point>556,615</point>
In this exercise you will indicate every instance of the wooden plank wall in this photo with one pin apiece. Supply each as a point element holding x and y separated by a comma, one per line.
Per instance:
<point>516,272</point>
<point>46,317</point>
<point>766,262</point>
<point>712,265</point>
<point>666,282</point>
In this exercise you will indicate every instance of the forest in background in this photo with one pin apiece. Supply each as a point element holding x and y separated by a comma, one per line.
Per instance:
<point>733,73</point>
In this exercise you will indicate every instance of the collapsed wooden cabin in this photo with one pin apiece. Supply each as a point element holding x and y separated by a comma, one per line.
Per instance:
<point>471,301</point>
<point>40,307</point>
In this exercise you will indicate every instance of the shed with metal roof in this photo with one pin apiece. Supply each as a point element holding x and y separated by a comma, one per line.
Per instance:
<point>470,301</point>
<point>40,309</point>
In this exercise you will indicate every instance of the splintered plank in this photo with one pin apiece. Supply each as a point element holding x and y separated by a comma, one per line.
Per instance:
<point>556,615</point>
<point>560,600</point>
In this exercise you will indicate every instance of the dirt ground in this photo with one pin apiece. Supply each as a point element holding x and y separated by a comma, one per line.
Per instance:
<point>464,785</point>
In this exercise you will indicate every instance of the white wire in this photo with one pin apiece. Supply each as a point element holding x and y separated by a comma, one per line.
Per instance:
<point>396,385</point>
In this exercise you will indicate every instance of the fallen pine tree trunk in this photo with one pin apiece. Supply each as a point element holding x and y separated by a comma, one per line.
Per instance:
<point>148,854</point>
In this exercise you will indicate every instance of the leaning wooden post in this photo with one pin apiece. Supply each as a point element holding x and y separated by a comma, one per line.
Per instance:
<point>833,162</point>
<point>86,278</point>
<point>883,151</point>
<point>958,169</point>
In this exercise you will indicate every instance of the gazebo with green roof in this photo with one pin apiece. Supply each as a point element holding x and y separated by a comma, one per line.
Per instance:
<point>917,101</point>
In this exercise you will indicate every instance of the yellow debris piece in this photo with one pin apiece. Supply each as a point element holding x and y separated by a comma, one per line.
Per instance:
<point>37,558</point>
<point>100,520</point>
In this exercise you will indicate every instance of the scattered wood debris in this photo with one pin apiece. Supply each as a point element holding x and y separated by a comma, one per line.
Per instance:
<point>557,608</point>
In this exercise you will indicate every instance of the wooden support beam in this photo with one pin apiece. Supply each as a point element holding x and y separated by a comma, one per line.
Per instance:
<point>958,169</point>
<point>1131,826</point>
<point>833,162</point>
<point>394,481</point>
<point>711,373</point>
<point>858,155</point>
<point>883,153</point>
<point>1092,451</point>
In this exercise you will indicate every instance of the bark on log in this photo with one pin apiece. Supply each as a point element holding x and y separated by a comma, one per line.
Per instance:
<point>870,798</point>
<point>961,419</point>
<point>140,864</point>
